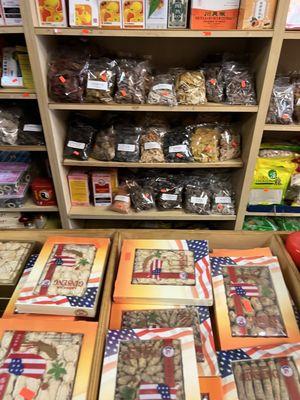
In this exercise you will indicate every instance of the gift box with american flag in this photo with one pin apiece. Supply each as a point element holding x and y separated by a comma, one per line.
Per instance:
<point>252,303</point>
<point>164,272</point>
<point>150,364</point>
<point>263,372</point>
<point>66,278</point>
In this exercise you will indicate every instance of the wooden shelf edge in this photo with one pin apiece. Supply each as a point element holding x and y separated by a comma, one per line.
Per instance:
<point>8,29</point>
<point>22,148</point>
<point>29,206</point>
<point>286,128</point>
<point>17,93</point>
<point>292,35</point>
<point>271,214</point>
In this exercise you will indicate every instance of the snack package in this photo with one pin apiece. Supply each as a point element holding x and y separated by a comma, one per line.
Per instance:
<point>281,106</point>
<point>12,12</point>
<point>11,76</point>
<point>169,196</point>
<point>162,91</point>
<point>261,372</point>
<point>156,14</point>
<point>105,144</point>
<point>252,303</point>
<point>137,316</point>
<point>133,352</point>
<point>121,203</point>
<point>104,184</point>
<point>177,14</point>
<point>101,77</point>
<point>133,14</point>
<point>190,88</point>
<point>197,198</point>
<point>80,138</point>
<point>230,144</point>
<point>150,269</point>
<point>52,14</point>
<point>83,13</point>
<point>214,14</point>
<point>222,195</point>
<point>259,224</point>
<point>128,143</point>
<point>287,224</point>
<point>110,14</point>
<point>258,14</point>
<point>205,143</point>
<point>293,18</point>
<point>214,82</point>
<point>142,197</point>
<point>177,146</point>
<point>152,145</point>
<point>66,278</point>
<point>79,188</point>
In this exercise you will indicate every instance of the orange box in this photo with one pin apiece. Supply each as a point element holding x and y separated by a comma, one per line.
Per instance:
<point>257,14</point>
<point>133,14</point>
<point>84,13</point>
<point>212,387</point>
<point>27,343</point>
<point>214,14</point>
<point>52,13</point>
<point>110,14</point>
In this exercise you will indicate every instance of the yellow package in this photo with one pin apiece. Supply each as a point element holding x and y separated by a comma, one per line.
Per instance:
<point>270,181</point>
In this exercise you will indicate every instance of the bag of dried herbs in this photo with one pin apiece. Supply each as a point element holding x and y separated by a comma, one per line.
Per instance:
<point>214,82</point>
<point>152,145</point>
<point>10,125</point>
<point>163,91</point>
<point>230,143</point>
<point>223,201</point>
<point>127,143</point>
<point>105,144</point>
<point>101,78</point>
<point>177,146</point>
<point>296,85</point>
<point>141,196</point>
<point>205,143</point>
<point>197,197</point>
<point>169,193</point>
<point>121,202</point>
<point>190,88</point>
<point>281,106</point>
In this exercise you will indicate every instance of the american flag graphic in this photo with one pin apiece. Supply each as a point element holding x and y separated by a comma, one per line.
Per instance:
<point>243,290</point>
<point>25,364</point>
<point>152,391</point>
<point>156,268</point>
<point>66,261</point>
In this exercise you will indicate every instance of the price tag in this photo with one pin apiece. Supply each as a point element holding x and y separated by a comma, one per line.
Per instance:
<point>26,94</point>
<point>206,33</point>
<point>86,31</point>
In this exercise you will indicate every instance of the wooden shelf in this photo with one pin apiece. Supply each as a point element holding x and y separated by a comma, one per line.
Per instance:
<point>292,35</point>
<point>271,214</point>
<point>24,94</point>
<point>208,107</point>
<point>111,164</point>
<point>175,33</point>
<point>286,128</point>
<point>11,29</point>
<point>29,206</point>
<point>23,148</point>
<point>102,213</point>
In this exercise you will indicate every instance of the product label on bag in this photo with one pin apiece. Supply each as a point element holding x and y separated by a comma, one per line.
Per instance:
<point>97,85</point>
<point>126,147</point>
<point>125,199</point>
<point>181,148</point>
<point>199,200</point>
<point>32,128</point>
<point>171,197</point>
<point>163,86</point>
<point>152,145</point>
<point>223,200</point>
<point>76,145</point>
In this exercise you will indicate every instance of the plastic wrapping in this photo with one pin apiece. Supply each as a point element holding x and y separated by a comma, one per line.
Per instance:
<point>9,126</point>
<point>259,224</point>
<point>133,79</point>
<point>128,143</point>
<point>281,106</point>
<point>121,203</point>
<point>240,84</point>
<point>287,224</point>
<point>197,198</point>
<point>105,144</point>
<point>177,146</point>
<point>162,91</point>
<point>276,153</point>
<point>101,77</point>
<point>169,196</point>
<point>296,86</point>
<point>152,145</point>
<point>31,133</point>
<point>230,144</point>
<point>190,88</point>
<point>80,138</point>
<point>141,197</point>
<point>222,195</point>
<point>215,84</point>
<point>205,143</point>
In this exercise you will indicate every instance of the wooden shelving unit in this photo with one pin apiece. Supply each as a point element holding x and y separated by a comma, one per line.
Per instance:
<point>23,148</point>
<point>282,128</point>
<point>191,47</point>
<point>11,29</point>
<point>29,206</point>
<point>17,94</point>
<point>272,214</point>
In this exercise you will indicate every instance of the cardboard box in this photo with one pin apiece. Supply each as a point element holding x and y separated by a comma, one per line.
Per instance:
<point>211,388</point>
<point>66,278</point>
<point>214,15</point>
<point>110,14</point>
<point>257,14</point>
<point>12,12</point>
<point>149,270</point>
<point>156,14</point>
<point>11,72</point>
<point>137,349</point>
<point>252,303</point>
<point>52,14</point>
<point>264,370</point>
<point>293,18</point>
<point>103,186</point>
<point>46,358</point>
<point>177,14</point>
<point>138,316</point>
<point>83,13</point>
<point>133,14</point>
<point>79,188</point>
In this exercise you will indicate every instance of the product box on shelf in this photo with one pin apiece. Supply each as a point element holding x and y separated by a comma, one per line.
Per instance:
<point>133,14</point>
<point>46,359</point>
<point>252,303</point>
<point>12,176</point>
<point>43,192</point>
<point>11,72</point>
<point>214,14</point>
<point>138,316</point>
<point>104,184</point>
<point>177,14</point>
<point>258,14</point>
<point>110,14</point>
<point>66,278</point>
<point>79,188</point>
<point>150,270</point>
<point>211,388</point>
<point>83,13</point>
<point>261,372</point>
<point>293,18</point>
<point>12,12</point>
<point>139,363</point>
<point>156,14</point>
<point>16,199</point>
<point>52,13</point>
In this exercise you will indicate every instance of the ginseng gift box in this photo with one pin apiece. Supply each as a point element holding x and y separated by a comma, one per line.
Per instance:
<point>128,316</point>
<point>263,372</point>
<point>13,257</point>
<point>149,364</point>
<point>164,272</point>
<point>252,303</point>
<point>46,359</point>
<point>66,277</point>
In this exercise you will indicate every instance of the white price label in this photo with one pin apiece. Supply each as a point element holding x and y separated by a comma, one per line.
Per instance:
<point>199,200</point>
<point>171,197</point>
<point>163,86</point>
<point>32,128</point>
<point>75,145</point>
<point>126,147</point>
<point>152,145</point>
<point>180,148</point>
<point>124,199</point>
<point>98,85</point>
<point>223,200</point>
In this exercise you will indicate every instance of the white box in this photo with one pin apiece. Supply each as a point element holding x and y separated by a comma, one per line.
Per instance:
<point>84,13</point>
<point>157,18</point>
<point>12,12</point>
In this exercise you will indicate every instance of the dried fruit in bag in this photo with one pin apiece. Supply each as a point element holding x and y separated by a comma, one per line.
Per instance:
<point>281,106</point>
<point>222,195</point>
<point>169,194</point>
<point>177,146</point>
<point>105,144</point>
<point>214,82</point>
<point>128,143</point>
<point>162,91</point>
<point>101,76</point>
<point>190,88</point>
<point>152,146</point>
<point>121,202</point>
<point>230,144</point>
<point>205,143</point>
<point>197,198</point>
<point>141,196</point>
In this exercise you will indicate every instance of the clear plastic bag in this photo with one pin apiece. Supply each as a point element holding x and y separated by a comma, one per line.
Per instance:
<point>230,144</point>
<point>128,143</point>
<point>133,79</point>
<point>214,81</point>
<point>205,143</point>
<point>239,84</point>
<point>162,91</point>
<point>190,88</point>
<point>281,106</point>
<point>141,196</point>
<point>169,195</point>
<point>121,202</point>
<point>80,138</point>
<point>31,132</point>
<point>9,127</point>
<point>101,77</point>
<point>296,86</point>
<point>222,195</point>
<point>105,144</point>
<point>177,146</point>
<point>152,145</point>
<point>197,198</point>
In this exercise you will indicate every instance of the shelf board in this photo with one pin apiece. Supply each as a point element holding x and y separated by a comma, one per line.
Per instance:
<point>18,93</point>
<point>11,29</point>
<point>208,107</point>
<point>279,127</point>
<point>23,148</point>
<point>103,213</point>
<point>271,214</point>
<point>29,206</point>
<point>176,33</point>
<point>293,35</point>
<point>111,164</point>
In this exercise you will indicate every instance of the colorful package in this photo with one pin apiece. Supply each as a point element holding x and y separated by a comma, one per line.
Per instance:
<point>264,372</point>
<point>133,14</point>
<point>52,13</point>
<point>257,14</point>
<point>46,359</point>
<point>293,18</point>
<point>16,199</point>
<point>11,72</point>
<point>66,278</point>
<point>83,13</point>
<point>177,14</point>
<point>156,14</point>
<point>12,12</point>
<point>104,185</point>
<point>110,14</point>
<point>43,192</point>
<point>149,363</point>
<point>79,188</point>
<point>149,271</point>
<point>252,303</point>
